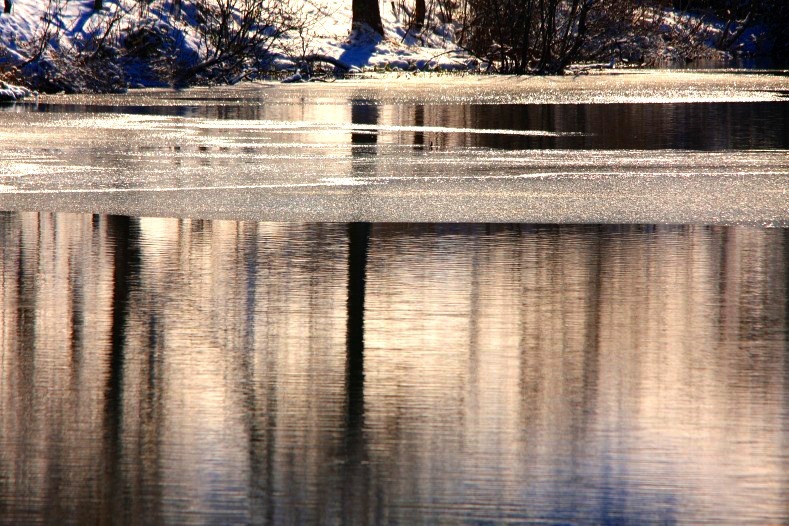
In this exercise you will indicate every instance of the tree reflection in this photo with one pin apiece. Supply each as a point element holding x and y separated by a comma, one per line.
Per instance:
<point>419,122</point>
<point>248,373</point>
<point>124,232</point>
<point>356,476</point>
<point>363,112</point>
<point>358,244</point>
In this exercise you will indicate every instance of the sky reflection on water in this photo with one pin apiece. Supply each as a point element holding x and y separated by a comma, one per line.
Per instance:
<point>186,371</point>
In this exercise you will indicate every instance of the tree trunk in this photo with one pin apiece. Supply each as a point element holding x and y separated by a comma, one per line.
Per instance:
<point>7,8</point>
<point>367,12</point>
<point>98,5</point>
<point>420,13</point>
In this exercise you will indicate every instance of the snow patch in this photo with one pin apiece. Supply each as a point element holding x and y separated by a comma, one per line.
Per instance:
<point>11,93</point>
<point>153,28</point>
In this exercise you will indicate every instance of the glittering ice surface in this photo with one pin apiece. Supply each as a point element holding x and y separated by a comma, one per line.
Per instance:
<point>618,148</point>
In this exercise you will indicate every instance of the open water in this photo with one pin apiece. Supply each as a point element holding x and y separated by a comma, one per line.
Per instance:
<point>236,307</point>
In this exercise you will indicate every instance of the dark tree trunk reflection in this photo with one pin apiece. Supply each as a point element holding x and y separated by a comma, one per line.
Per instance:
<point>356,475</point>
<point>125,233</point>
<point>419,121</point>
<point>364,113</point>
<point>358,242</point>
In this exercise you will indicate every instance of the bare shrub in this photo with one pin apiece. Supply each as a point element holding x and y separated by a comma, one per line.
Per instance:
<point>529,36</point>
<point>85,63</point>
<point>623,31</point>
<point>101,34</point>
<point>47,33</point>
<point>237,35</point>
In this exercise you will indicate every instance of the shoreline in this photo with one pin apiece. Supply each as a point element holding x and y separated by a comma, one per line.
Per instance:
<point>657,86</point>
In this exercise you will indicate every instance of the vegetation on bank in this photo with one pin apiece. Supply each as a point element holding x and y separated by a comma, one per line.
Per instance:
<point>546,36</point>
<point>110,45</point>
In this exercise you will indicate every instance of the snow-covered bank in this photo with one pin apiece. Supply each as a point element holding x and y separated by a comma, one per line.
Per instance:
<point>11,93</point>
<point>68,46</point>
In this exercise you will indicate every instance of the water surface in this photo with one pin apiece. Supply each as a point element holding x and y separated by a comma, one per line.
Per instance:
<point>190,371</point>
<point>617,148</point>
<point>202,324</point>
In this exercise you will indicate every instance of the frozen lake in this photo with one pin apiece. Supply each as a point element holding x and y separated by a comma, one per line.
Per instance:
<point>631,148</point>
<point>430,301</point>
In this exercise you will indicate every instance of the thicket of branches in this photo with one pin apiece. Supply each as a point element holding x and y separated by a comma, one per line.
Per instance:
<point>235,40</point>
<point>546,36</point>
<point>740,15</point>
<point>236,37</point>
<point>540,36</point>
<point>50,62</point>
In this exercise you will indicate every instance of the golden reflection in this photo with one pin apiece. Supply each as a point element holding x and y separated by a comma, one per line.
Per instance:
<point>559,349</point>
<point>181,370</point>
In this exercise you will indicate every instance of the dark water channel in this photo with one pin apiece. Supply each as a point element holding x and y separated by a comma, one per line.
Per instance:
<point>296,340</point>
<point>645,126</point>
